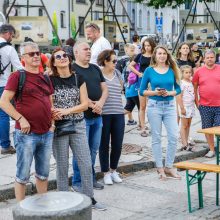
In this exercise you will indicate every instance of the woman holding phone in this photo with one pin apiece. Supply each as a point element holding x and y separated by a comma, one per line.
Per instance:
<point>163,76</point>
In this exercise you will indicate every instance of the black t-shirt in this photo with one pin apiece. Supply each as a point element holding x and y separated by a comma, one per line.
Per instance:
<point>197,54</point>
<point>67,94</point>
<point>187,62</point>
<point>93,78</point>
<point>144,62</point>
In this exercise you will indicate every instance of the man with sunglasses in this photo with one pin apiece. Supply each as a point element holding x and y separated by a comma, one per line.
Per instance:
<point>99,43</point>
<point>8,57</point>
<point>33,134</point>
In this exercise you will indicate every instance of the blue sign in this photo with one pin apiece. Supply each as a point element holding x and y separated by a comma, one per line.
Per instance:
<point>159,23</point>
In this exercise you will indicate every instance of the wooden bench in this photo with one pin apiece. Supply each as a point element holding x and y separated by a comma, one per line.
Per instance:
<point>197,178</point>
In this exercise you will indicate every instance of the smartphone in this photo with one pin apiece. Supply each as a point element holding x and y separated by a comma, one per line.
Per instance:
<point>160,89</point>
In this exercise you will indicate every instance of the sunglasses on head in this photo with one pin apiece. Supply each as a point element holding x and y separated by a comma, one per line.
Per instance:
<point>60,56</point>
<point>32,54</point>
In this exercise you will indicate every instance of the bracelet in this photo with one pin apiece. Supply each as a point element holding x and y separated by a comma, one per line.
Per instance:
<point>19,118</point>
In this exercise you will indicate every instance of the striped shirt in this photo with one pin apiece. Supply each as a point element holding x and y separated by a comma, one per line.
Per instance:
<point>113,104</point>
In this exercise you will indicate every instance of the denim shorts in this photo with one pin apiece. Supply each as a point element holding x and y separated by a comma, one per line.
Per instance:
<point>29,146</point>
<point>210,116</point>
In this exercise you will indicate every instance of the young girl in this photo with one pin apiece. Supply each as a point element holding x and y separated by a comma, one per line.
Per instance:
<point>187,106</point>
<point>143,59</point>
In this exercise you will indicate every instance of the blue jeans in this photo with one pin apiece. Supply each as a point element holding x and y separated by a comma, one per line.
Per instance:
<point>93,132</point>
<point>4,127</point>
<point>29,146</point>
<point>158,112</point>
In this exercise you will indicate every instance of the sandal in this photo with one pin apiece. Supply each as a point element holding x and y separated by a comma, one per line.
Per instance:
<point>183,148</point>
<point>171,173</point>
<point>139,128</point>
<point>161,173</point>
<point>144,133</point>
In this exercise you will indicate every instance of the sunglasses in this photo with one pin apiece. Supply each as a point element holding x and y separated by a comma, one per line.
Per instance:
<point>60,56</point>
<point>32,54</point>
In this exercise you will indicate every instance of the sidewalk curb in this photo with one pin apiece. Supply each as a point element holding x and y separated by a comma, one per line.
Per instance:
<point>7,192</point>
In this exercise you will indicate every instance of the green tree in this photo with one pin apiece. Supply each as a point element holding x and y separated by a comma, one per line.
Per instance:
<point>170,3</point>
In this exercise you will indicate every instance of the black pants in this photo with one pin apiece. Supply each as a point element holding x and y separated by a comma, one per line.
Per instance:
<point>113,126</point>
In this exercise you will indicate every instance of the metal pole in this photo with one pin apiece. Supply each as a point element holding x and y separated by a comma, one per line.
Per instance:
<point>103,16</point>
<point>183,27</point>
<point>10,9</point>
<point>91,10</point>
<point>211,16</point>
<point>194,12</point>
<point>117,21</point>
<point>27,7</point>
<point>84,18</point>
<point>69,18</point>
<point>127,15</point>
<point>51,22</point>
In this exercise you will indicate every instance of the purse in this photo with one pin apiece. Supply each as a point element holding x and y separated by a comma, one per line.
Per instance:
<point>65,127</point>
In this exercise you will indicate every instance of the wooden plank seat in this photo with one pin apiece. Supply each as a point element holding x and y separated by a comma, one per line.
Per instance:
<point>197,178</point>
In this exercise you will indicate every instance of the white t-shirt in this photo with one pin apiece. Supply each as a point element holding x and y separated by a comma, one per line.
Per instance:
<point>8,54</point>
<point>97,47</point>
<point>188,93</point>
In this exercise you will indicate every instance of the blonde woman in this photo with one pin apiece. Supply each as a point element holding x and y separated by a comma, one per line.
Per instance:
<point>163,77</point>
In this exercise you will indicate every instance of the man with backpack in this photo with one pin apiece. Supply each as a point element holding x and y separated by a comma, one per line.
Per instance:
<point>33,134</point>
<point>8,58</point>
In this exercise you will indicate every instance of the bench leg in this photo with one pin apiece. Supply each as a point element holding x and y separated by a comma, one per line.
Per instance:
<point>200,194</point>
<point>197,178</point>
<point>188,191</point>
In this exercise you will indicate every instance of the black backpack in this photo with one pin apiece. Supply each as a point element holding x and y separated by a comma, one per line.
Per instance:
<point>22,78</point>
<point>2,67</point>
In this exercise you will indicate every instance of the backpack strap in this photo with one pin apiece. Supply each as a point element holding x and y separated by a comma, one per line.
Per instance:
<point>3,68</point>
<point>22,78</point>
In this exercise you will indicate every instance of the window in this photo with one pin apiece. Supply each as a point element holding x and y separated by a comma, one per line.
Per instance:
<point>140,18</point>
<point>81,27</point>
<point>124,15</point>
<point>148,20</point>
<point>81,1</point>
<point>99,2</point>
<point>72,5</point>
<point>40,12</point>
<point>62,19</point>
<point>133,17</point>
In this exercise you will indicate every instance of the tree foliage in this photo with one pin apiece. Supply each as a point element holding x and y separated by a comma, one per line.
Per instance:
<point>167,3</point>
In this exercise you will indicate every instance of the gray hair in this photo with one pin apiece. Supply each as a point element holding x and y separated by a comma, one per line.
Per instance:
<point>5,28</point>
<point>28,44</point>
<point>77,44</point>
<point>209,51</point>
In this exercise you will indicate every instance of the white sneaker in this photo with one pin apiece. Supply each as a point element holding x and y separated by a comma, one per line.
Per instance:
<point>210,154</point>
<point>108,179</point>
<point>115,177</point>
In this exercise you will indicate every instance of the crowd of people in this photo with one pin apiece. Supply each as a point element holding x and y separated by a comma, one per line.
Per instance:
<point>76,104</point>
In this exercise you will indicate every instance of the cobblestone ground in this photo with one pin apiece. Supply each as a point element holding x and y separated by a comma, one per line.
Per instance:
<point>142,196</point>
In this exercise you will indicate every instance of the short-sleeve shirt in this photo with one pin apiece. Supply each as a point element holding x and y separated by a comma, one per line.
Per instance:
<point>185,62</point>
<point>197,54</point>
<point>208,81</point>
<point>34,104</point>
<point>143,61</point>
<point>67,94</point>
<point>97,47</point>
<point>113,104</point>
<point>188,93</point>
<point>93,78</point>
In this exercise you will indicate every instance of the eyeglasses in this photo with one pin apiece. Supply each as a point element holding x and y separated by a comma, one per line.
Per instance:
<point>114,61</point>
<point>95,26</point>
<point>32,54</point>
<point>60,56</point>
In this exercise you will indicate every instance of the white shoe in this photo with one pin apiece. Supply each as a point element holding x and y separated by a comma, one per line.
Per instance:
<point>210,154</point>
<point>115,177</point>
<point>108,179</point>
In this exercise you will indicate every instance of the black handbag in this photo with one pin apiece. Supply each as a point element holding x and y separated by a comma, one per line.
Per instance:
<point>65,127</point>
